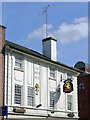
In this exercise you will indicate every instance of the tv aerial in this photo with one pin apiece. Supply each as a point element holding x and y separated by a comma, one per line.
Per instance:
<point>42,13</point>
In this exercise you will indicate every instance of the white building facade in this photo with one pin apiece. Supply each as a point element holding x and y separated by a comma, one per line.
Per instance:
<point>34,83</point>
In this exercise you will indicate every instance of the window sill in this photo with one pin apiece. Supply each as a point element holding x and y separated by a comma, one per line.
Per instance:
<point>52,78</point>
<point>69,111</point>
<point>52,108</point>
<point>19,69</point>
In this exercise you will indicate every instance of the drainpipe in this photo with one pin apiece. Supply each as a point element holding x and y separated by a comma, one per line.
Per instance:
<point>8,73</point>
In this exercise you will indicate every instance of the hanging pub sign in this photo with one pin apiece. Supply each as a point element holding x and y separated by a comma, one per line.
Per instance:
<point>68,86</point>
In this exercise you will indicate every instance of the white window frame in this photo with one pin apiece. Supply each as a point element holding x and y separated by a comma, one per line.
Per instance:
<point>69,102</point>
<point>52,73</point>
<point>19,61</point>
<point>29,95</point>
<point>15,101</point>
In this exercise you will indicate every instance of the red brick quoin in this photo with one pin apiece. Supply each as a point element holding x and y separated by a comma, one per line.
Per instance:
<point>2,59</point>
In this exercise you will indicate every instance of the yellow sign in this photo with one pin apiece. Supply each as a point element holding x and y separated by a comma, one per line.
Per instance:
<point>67,87</point>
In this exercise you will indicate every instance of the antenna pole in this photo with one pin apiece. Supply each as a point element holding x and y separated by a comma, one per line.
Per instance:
<point>45,10</point>
<point>42,26</point>
<point>46,24</point>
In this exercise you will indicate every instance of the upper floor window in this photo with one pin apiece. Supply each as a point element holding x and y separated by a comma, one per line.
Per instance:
<point>18,62</point>
<point>52,73</point>
<point>81,87</point>
<point>69,76</point>
<point>17,94</point>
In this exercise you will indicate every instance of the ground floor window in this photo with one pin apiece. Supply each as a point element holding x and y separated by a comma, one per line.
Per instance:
<point>31,96</point>
<point>51,99</point>
<point>69,102</point>
<point>17,94</point>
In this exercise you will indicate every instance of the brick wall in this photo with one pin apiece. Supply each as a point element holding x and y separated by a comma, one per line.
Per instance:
<point>2,43</point>
<point>84,97</point>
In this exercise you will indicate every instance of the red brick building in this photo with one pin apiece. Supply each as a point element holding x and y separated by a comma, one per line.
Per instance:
<point>2,58</point>
<point>84,96</point>
<point>84,91</point>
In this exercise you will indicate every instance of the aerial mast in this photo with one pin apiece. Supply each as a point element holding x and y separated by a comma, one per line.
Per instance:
<point>45,11</point>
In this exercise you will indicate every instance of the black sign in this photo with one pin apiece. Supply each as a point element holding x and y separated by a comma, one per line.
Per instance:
<point>67,87</point>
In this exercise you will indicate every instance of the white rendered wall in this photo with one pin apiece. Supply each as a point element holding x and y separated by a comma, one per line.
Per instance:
<point>39,72</point>
<point>53,50</point>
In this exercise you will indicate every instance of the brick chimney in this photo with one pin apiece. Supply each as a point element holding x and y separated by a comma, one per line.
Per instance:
<point>49,48</point>
<point>2,58</point>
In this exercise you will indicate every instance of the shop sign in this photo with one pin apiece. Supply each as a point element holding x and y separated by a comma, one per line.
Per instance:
<point>68,86</point>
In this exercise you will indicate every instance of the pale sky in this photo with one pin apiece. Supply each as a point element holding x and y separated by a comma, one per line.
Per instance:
<point>67,22</point>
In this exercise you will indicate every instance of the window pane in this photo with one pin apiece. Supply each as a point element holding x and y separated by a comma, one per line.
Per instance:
<point>52,99</point>
<point>52,73</point>
<point>69,76</point>
<point>81,87</point>
<point>17,94</point>
<point>31,96</point>
<point>18,61</point>
<point>69,102</point>
<point>82,84</point>
<point>17,64</point>
<point>69,106</point>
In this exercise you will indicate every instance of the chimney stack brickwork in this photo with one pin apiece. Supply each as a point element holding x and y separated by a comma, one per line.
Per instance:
<point>2,59</point>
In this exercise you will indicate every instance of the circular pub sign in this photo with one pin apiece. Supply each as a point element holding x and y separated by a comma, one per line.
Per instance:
<point>67,87</point>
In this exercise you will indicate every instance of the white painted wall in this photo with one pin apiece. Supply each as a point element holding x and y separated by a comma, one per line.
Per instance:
<point>38,72</point>
<point>53,50</point>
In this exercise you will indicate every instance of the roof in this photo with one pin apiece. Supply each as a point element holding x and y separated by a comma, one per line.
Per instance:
<point>38,55</point>
<point>49,38</point>
<point>84,74</point>
<point>2,26</point>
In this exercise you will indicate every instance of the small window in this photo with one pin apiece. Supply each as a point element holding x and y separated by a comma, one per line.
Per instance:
<point>51,99</point>
<point>18,62</point>
<point>81,87</point>
<point>17,94</point>
<point>31,96</point>
<point>69,76</point>
<point>69,102</point>
<point>52,73</point>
